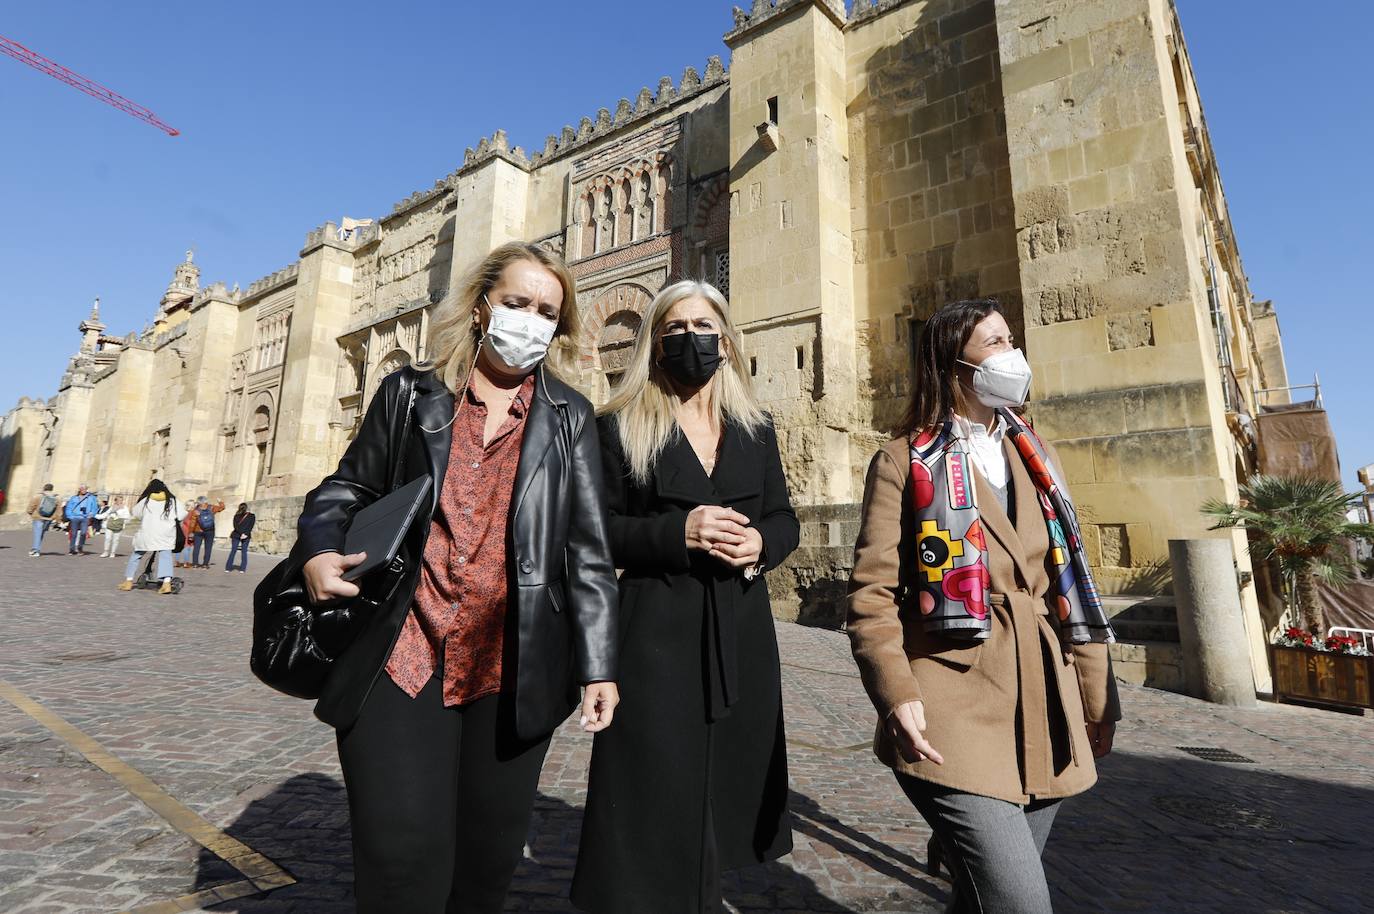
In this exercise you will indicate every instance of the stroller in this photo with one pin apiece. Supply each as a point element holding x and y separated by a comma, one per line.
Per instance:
<point>148,580</point>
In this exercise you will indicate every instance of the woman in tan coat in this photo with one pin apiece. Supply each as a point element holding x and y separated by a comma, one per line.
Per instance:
<point>974,619</point>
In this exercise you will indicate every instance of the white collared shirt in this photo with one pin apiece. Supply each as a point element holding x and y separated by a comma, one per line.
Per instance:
<point>985,447</point>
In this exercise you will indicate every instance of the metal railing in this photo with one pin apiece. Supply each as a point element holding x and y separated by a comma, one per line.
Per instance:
<point>1365,635</point>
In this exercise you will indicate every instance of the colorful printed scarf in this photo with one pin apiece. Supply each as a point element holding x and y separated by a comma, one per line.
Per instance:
<point>951,543</point>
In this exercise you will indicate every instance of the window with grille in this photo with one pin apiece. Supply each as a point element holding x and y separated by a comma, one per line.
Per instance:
<point>722,271</point>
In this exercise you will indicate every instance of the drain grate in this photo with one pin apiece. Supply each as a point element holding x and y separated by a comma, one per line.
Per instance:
<point>1213,754</point>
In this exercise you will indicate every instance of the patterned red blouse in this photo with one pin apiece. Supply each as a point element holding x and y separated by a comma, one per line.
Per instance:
<point>460,605</point>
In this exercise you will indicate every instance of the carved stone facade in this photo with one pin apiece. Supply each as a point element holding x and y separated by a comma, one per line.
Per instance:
<point>851,173</point>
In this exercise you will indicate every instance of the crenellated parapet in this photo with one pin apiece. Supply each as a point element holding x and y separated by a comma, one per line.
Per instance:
<point>765,11</point>
<point>270,282</point>
<point>629,112</point>
<point>864,10</point>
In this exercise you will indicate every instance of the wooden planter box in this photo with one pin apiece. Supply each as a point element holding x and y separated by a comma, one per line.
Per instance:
<point>1309,675</point>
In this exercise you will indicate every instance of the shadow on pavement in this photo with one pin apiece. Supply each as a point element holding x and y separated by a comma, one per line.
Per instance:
<point>1158,834</point>
<point>302,826</point>
<point>1167,834</point>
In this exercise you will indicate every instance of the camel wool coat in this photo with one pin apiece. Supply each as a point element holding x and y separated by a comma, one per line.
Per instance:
<point>1007,713</point>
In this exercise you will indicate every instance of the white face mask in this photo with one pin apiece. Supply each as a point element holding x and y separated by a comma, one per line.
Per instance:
<point>519,340</point>
<point>1003,379</point>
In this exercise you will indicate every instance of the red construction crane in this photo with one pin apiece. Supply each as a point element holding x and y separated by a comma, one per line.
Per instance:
<point>90,87</point>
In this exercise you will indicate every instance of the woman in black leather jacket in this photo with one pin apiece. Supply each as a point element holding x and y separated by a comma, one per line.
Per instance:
<point>445,702</point>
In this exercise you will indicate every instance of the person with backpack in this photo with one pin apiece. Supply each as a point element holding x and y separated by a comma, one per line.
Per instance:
<point>79,510</point>
<point>42,510</point>
<point>158,512</point>
<point>238,540</point>
<point>205,530</point>
<point>112,520</point>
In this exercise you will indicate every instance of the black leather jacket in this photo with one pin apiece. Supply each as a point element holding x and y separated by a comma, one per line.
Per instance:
<point>562,580</point>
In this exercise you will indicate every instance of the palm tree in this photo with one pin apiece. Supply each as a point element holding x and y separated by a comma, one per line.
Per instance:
<point>1300,523</point>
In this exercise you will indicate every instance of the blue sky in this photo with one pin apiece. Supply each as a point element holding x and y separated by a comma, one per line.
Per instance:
<point>289,118</point>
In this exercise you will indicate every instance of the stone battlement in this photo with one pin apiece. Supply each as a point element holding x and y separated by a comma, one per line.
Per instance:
<point>764,11</point>
<point>589,130</point>
<point>273,280</point>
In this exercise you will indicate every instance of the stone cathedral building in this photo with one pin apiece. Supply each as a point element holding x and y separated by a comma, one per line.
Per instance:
<point>851,171</point>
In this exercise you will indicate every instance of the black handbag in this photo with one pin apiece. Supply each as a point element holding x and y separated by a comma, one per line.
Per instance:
<point>295,643</point>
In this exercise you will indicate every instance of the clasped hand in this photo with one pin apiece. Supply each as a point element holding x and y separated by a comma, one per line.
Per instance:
<point>724,534</point>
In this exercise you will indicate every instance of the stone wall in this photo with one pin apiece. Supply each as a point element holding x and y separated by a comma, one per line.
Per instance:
<point>931,182</point>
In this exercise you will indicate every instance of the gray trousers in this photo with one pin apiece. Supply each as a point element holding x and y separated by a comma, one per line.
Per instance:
<point>991,847</point>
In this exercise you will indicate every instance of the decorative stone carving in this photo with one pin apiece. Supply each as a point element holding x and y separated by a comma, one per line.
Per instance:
<point>690,80</point>
<point>715,69</point>
<point>603,120</point>
<point>644,101</point>
<point>665,90</point>
<point>623,112</point>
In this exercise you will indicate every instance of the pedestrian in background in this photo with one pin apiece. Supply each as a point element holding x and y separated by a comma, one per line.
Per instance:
<point>238,539</point>
<point>113,519</point>
<point>974,619</point>
<point>42,510</point>
<point>692,780</point>
<point>205,531</point>
<point>188,531</point>
<point>79,510</point>
<point>97,524</point>
<point>158,512</point>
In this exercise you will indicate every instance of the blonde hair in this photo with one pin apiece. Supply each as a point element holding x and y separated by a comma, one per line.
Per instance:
<point>453,333</point>
<point>645,403</point>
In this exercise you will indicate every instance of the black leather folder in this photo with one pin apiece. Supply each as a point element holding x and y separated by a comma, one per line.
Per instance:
<point>380,528</point>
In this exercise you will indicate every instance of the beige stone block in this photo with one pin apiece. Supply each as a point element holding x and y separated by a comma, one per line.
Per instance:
<point>1089,193</point>
<point>1076,460</point>
<point>1066,340</point>
<point>1080,54</point>
<point>1121,185</point>
<point>1059,165</point>
<point>1019,75</point>
<point>944,229</point>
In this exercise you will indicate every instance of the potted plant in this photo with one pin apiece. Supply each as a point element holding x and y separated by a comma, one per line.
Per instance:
<point>1301,525</point>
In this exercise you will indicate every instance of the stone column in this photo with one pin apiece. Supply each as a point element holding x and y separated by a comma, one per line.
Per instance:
<point>1211,626</point>
<point>319,315</point>
<point>791,250</point>
<point>490,201</point>
<point>1112,263</point>
<point>209,348</point>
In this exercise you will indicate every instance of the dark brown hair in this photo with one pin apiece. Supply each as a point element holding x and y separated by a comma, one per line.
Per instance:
<point>934,384</point>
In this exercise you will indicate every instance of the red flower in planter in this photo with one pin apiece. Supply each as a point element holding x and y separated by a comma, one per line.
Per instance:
<point>1342,644</point>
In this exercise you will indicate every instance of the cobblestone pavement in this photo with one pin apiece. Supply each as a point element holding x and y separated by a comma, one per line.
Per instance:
<point>160,683</point>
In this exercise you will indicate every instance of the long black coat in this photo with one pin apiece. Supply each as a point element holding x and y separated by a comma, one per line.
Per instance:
<point>691,778</point>
<point>562,582</point>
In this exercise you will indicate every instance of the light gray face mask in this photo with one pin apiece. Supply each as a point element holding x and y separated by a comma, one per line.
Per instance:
<point>518,340</point>
<point>1001,380</point>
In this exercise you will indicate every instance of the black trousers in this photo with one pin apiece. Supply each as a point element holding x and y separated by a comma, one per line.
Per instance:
<point>440,800</point>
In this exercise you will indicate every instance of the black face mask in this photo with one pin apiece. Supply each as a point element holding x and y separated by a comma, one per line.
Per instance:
<point>691,358</point>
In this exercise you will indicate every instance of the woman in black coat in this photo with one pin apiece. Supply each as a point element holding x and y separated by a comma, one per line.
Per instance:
<point>693,778</point>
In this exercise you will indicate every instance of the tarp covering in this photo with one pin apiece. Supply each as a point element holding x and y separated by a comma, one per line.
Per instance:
<point>1297,440</point>
<point>1351,606</point>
